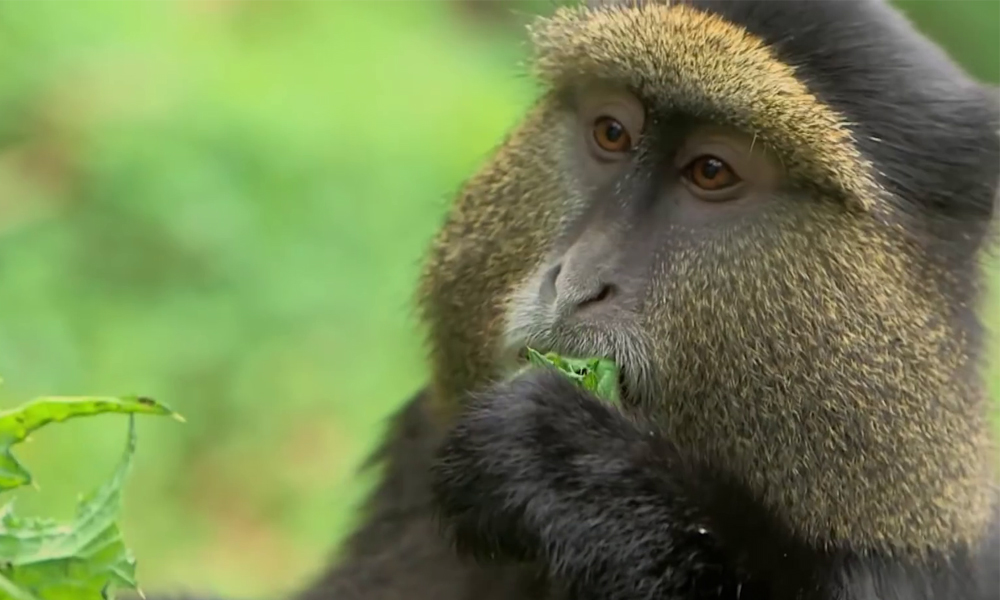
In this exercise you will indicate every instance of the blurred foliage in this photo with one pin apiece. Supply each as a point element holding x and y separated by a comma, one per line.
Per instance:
<point>224,205</point>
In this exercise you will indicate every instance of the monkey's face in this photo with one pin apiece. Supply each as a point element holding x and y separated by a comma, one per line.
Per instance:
<point>722,287</point>
<point>663,214</point>
<point>680,202</point>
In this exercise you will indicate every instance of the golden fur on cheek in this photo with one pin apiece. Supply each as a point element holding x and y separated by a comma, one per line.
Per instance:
<point>495,235</point>
<point>807,356</point>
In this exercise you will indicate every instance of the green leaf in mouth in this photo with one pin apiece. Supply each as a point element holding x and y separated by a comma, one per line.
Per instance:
<point>597,375</point>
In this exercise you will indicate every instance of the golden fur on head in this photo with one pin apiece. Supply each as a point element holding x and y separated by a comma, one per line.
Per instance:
<point>808,349</point>
<point>698,64</point>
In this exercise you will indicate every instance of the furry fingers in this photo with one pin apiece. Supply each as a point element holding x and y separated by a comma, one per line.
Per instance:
<point>539,470</point>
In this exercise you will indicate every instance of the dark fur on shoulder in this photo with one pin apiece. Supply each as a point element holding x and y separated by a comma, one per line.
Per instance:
<point>397,553</point>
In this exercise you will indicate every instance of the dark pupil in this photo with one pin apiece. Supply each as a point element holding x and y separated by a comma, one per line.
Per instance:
<point>710,168</point>
<point>614,131</point>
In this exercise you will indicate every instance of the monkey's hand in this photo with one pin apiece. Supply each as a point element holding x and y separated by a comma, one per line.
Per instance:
<point>538,469</point>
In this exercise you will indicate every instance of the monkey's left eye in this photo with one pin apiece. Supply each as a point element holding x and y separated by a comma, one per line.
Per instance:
<point>611,135</point>
<point>711,174</point>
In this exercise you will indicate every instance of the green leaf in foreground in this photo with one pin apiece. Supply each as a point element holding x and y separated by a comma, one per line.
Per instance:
<point>85,558</point>
<point>598,375</point>
<point>41,559</point>
<point>17,423</point>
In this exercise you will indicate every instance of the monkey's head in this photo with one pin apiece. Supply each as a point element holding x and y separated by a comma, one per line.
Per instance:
<point>771,215</point>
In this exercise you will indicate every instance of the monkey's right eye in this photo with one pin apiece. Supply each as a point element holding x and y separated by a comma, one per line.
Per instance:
<point>611,135</point>
<point>711,174</point>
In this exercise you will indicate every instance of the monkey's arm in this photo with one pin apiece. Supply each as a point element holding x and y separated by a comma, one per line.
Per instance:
<point>539,470</point>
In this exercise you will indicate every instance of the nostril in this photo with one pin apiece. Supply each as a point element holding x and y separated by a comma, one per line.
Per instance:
<point>603,294</point>
<point>547,291</point>
<point>554,273</point>
<point>568,290</point>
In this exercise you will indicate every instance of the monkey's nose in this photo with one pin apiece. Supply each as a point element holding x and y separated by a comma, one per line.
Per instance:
<point>571,290</point>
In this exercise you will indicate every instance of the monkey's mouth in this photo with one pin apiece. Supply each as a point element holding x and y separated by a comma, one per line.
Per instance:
<point>622,388</point>
<point>624,392</point>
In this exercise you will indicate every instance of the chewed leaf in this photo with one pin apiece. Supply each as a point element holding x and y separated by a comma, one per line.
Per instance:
<point>597,375</point>
<point>17,423</point>
<point>538,359</point>
<point>607,381</point>
<point>85,558</point>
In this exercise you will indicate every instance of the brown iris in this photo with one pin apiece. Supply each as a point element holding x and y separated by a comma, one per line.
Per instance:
<point>710,173</point>
<point>611,135</point>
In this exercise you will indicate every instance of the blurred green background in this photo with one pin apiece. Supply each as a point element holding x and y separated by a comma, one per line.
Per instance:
<point>224,204</point>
